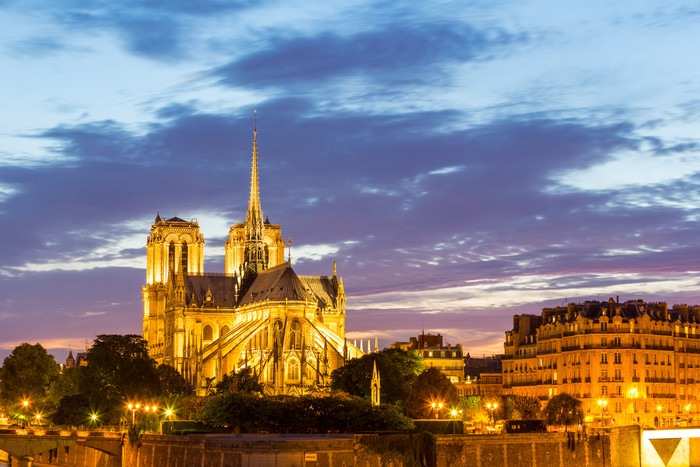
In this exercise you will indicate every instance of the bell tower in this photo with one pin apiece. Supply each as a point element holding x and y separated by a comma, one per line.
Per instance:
<point>174,248</point>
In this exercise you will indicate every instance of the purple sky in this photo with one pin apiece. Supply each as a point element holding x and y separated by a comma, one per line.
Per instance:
<point>462,162</point>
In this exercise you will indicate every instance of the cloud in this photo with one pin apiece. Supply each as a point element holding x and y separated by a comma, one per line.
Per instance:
<point>395,52</point>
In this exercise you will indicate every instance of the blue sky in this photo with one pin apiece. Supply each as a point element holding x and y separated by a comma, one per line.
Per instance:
<point>462,161</point>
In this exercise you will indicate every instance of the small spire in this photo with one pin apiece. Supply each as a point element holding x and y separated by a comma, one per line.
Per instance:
<point>335,273</point>
<point>157,217</point>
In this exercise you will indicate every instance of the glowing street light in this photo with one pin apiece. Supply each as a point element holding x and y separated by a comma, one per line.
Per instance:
<point>437,407</point>
<point>602,403</point>
<point>133,408</point>
<point>492,408</point>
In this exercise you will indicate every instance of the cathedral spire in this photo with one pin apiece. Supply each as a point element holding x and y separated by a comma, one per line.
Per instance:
<point>254,255</point>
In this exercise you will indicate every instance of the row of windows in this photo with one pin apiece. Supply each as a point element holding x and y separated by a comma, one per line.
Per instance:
<point>442,354</point>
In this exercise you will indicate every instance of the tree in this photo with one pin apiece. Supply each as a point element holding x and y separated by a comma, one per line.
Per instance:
<point>521,407</point>
<point>72,410</point>
<point>27,373</point>
<point>474,410</point>
<point>243,381</point>
<point>563,409</point>
<point>431,386</point>
<point>172,383</point>
<point>397,369</point>
<point>69,383</point>
<point>120,368</point>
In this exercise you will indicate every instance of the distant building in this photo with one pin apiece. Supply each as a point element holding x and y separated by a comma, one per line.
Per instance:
<point>482,376</point>
<point>627,362</point>
<point>446,358</point>
<point>81,359</point>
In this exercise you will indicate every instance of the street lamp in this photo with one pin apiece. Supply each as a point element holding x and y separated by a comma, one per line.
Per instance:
<point>492,407</point>
<point>661,420</point>
<point>436,408</point>
<point>133,409</point>
<point>602,403</point>
<point>25,406</point>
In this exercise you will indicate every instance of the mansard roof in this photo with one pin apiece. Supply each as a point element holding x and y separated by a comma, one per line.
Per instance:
<point>277,283</point>
<point>221,286</point>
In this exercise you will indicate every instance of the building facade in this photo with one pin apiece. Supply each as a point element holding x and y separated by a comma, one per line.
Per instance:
<point>446,358</point>
<point>631,362</point>
<point>258,313</point>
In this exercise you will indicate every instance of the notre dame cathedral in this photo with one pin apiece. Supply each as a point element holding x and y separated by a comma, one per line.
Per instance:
<point>289,329</point>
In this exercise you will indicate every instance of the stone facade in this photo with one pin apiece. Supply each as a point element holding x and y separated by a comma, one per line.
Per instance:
<point>631,362</point>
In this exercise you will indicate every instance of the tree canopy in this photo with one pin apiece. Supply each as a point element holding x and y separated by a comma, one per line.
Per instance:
<point>243,381</point>
<point>27,373</point>
<point>119,367</point>
<point>431,386</point>
<point>172,383</point>
<point>244,412</point>
<point>397,369</point>
<point>563,409</point>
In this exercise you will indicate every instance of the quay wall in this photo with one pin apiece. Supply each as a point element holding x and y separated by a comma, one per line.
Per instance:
<point>619,447</point>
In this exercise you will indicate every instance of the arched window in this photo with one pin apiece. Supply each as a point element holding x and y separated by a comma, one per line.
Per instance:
<point>295,338</point>
<point>184,257</point>
<point>224,329</point>
<point>171,256</point>
<point>293,370</point>
<point>278,334</point>
<point>207,333</point>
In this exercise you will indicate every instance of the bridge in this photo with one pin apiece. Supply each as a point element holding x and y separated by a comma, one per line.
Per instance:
<point>24,444</point>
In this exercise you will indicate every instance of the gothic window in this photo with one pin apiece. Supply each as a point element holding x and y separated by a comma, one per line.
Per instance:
<point>277,336</point>
<point>184,257</point>
<point>224,329</point>
<point>293,370</point>
<point>207,333</point>
<point>295,342</point>
<point>171,255</point>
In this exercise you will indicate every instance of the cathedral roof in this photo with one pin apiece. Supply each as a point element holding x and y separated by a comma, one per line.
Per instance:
<point>175,219</point>
<point>277,283</point>
<point>221,287</point>
<point>323,288</point>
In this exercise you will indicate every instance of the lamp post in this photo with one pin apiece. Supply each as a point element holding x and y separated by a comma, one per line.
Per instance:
<point>661,420</point>
<point>602,403</point>
<point>133,408</point>
<point>436,408</point>
<point>25,406</point>
<point>492,408</point>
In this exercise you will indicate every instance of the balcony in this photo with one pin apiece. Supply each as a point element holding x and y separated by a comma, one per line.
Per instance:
<point>602,379</point>
<point>587,379</point>
<point>575,380</point>
<point>635,379</point>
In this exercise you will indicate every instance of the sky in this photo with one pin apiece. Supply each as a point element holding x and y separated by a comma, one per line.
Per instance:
<point>461,161</point>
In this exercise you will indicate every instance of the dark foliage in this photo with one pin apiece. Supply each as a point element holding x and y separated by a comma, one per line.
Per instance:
<point>72,410</point>
<point>247,413</point>
<point>120,369</point>
<point>397,370</point>
<point>243,381</point>
<point>172,383</point>
<point>431,386</point>
<point>26,374</point>
<point>563,409</point>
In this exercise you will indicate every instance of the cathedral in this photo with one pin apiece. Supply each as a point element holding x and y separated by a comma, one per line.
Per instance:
<point>259,314</point>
